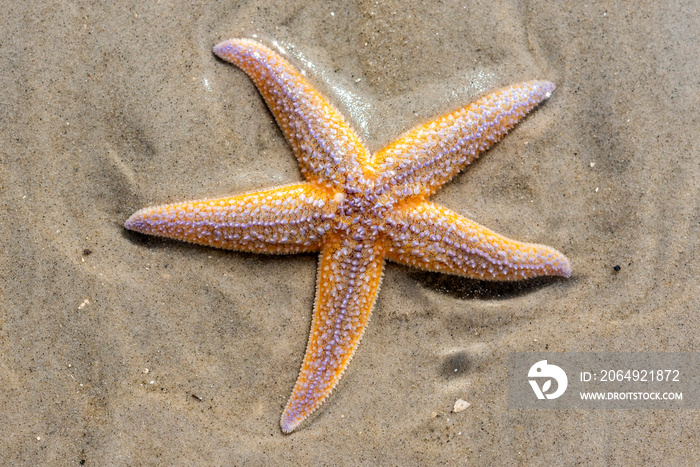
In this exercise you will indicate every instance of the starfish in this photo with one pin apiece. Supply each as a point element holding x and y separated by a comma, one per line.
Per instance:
<point>358,210</point>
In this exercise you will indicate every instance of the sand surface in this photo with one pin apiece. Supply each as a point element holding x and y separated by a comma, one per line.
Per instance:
<point>118,349</point>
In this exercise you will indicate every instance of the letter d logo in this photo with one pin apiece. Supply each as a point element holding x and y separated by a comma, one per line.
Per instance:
<point>543,370</point>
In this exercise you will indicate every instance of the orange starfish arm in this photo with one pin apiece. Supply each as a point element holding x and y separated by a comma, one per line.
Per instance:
<point>328,151</point>
<point>428,236</point>
<point>288,219</point>
<point>349,275</point>
<point>426,158</point>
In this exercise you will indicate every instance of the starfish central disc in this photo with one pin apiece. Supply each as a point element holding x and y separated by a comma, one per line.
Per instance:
<point>358,211</point>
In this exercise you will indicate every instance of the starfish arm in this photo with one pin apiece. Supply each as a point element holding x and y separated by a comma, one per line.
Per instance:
<point>328,150</point>
<point>288,219</point>
<point>426,158</point>
<point>431,237</point>
<point>349,276</point>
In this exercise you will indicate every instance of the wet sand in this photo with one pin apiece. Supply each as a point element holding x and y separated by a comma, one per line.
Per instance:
<point>120,349</point>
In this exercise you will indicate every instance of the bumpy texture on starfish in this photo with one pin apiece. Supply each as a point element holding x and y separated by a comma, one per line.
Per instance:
<point>358,210</point>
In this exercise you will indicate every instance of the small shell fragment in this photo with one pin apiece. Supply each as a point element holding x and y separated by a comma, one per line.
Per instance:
<point>460,405</point>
